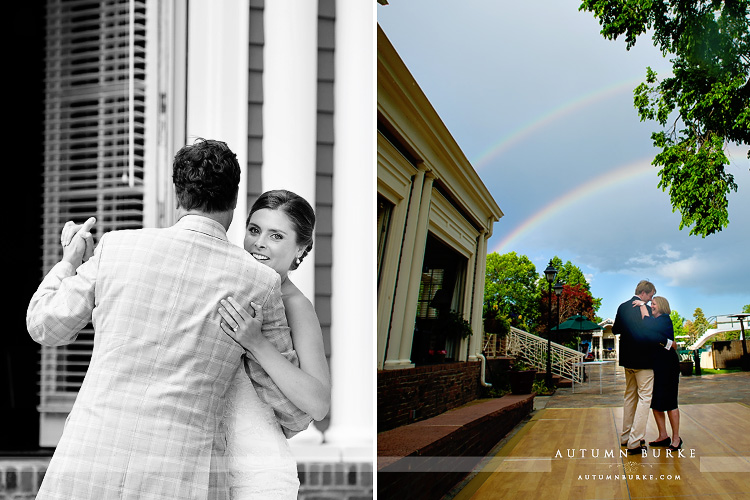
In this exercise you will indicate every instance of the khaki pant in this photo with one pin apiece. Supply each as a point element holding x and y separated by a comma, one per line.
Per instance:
<point>639,385</point>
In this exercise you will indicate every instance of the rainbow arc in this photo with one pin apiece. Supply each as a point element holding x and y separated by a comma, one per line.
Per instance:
<point>529,128</point>
<point>626,173</point>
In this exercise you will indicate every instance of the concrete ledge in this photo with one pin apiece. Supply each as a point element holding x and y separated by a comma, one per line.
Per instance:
<point>451,444</point>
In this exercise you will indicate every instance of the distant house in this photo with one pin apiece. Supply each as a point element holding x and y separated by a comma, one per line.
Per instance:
<point>434,218</point>
<point>606,343</point>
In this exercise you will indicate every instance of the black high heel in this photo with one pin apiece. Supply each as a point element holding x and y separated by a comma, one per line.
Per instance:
<point>675,448</point>
<point>664,442</point>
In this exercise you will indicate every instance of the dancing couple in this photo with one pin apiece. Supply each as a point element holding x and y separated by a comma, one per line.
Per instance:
<point>206,357</point>
<point>647,352</point>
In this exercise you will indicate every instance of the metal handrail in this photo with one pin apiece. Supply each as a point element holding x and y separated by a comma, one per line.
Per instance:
<point>490,345</point>
<point>710,329</point>
<point>532,349</point>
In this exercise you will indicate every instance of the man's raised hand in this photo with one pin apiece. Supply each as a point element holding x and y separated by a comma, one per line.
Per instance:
<point>77,242</point>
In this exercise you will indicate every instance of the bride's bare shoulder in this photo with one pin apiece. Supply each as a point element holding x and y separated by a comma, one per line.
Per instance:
<point>300,313</point>
<point>293,297</point>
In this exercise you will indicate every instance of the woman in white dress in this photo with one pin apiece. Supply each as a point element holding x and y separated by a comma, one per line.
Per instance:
<point>278,234</point>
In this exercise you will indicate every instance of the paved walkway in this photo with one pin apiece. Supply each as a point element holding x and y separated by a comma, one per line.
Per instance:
<point>726,388</point>
<point>706,392</point>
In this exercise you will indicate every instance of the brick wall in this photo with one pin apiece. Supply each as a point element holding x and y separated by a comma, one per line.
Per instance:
<point>413,394</point>
<point>335,481</point>
<point>20,479</point>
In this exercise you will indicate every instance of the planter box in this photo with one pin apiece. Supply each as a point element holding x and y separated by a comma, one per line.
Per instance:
<point>522,382</point>
<point>686,368</point>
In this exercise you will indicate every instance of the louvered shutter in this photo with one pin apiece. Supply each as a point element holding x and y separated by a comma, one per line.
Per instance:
<point>430,284</point>
<point>95,98</point>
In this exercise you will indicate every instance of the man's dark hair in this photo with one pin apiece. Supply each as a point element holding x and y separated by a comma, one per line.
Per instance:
<point>206,176</point>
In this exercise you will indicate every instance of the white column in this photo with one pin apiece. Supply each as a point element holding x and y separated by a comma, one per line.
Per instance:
<point>415,270</point>
<point>217,82</point>
<point>477,323</point>
<point>617,347</point>
<point>290,75</point>
<point>353,275</point>
<point>395,327</point>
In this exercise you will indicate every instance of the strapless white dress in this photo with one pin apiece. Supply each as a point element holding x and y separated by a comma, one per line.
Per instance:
<point>259,460</point>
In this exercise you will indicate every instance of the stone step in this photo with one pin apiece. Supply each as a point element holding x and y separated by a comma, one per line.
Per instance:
<point>557,380</point>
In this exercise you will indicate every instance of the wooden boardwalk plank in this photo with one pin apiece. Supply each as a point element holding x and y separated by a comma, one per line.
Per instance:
<point>555,456</point>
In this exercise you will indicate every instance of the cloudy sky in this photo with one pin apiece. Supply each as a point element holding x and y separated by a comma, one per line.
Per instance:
<point>541,104</point>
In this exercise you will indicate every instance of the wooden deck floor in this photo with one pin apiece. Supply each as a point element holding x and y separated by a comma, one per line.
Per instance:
<point>536,463</point>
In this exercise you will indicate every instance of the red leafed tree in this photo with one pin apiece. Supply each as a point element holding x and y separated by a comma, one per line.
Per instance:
<point>575,299</point>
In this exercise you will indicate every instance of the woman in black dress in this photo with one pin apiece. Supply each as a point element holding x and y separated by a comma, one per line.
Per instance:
<point>666,374</point>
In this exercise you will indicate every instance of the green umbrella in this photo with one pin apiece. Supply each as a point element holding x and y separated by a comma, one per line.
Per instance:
<point>577,323</point>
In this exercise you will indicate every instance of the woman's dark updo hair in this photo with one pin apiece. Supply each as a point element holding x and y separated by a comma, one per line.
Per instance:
<point>298,210</point>
<point>206,176</point>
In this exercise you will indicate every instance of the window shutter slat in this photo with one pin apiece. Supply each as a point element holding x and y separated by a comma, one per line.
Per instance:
<point>94,134</point>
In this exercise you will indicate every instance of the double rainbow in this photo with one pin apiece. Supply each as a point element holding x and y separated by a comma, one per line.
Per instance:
<point>529,128</point>
<point>629,172</point>
<point>624,173</point>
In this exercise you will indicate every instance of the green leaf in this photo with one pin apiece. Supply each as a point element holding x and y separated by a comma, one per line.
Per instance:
<point>708,95</point>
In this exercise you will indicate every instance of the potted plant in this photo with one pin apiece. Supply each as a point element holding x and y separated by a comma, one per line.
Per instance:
<point>521,378</point>
<point>686,366</point>
<point>497,324</point>
<point>452,325</point>
<point>437,355</point>
<point>496,328</point>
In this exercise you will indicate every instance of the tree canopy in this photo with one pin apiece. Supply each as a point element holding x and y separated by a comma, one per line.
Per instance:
<point>574,299</point>
<point>571,275</point>
<point>510,289</point>
<point>678,323</point>
<point>709,41</point>
<point>697,327</point>
<point>514,291</point>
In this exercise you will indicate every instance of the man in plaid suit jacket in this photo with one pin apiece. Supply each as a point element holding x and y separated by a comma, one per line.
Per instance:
<point>145,420</point>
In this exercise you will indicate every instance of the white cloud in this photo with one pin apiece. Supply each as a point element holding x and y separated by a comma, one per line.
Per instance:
<point>672,254</point>
<point>642,260</point>
<point>680,272</point>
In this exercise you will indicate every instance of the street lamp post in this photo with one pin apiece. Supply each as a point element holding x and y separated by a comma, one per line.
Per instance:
<point>549,274</point>
<point>558,288</point>
<point>745,358</point>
